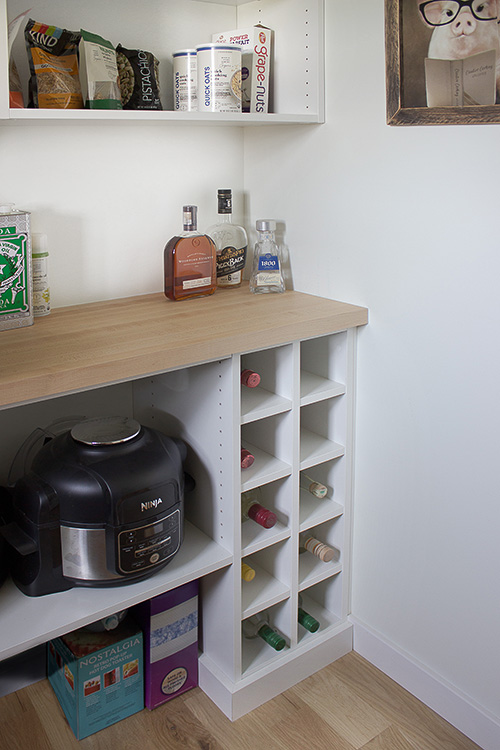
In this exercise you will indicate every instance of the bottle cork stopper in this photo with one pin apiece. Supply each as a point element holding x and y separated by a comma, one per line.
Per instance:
<point>250,378</point>
<point>247,573</point>
<point>246,458</point>
<point>264,517</point>
<point>320,549</point>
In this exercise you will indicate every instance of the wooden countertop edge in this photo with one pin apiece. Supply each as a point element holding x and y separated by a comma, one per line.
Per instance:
<point>144,335</point>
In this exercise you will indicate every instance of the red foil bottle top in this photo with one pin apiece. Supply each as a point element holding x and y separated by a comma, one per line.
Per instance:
<point>246,458</point>
<point>262,516</point>
<point>250,378</point>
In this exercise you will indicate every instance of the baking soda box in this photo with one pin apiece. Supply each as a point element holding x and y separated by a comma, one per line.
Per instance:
<point>170,626</point>
<point>97,677</point>
<point>256,50</point>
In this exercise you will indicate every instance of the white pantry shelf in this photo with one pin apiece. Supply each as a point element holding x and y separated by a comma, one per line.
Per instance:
<point>29,621</point>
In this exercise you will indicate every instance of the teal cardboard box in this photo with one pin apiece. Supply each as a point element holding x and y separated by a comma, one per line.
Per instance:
<point>98,678</point>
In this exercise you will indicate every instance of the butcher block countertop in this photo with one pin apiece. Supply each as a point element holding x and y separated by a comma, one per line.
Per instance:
<point>84,346</point>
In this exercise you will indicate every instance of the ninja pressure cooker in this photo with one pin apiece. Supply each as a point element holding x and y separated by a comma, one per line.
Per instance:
<point>101,505</point>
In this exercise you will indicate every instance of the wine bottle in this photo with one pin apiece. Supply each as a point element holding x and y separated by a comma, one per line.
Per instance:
<point>251,508</point>
<point>247,573</point>
<point>258,626</point>
<point>307,542</point>
<point>306,620</point>
<point>247,458</point>
<point>250,378</point>
<point>315,488</point>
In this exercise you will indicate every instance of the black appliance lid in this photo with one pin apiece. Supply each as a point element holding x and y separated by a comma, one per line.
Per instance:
<point>105,430</point>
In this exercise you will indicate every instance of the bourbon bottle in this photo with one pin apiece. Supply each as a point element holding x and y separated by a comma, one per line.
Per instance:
<point>231,243</point>
<point>189,261</point>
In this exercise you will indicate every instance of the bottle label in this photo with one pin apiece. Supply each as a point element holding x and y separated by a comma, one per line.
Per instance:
<point>269,262</point>
<point>230,260</point>
<point>195,283</point>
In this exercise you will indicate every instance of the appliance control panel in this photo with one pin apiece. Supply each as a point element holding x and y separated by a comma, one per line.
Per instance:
<point>147,546</point>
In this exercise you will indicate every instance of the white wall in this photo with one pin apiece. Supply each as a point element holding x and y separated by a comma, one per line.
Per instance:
<point>404,221</point>
<point>109,196</point>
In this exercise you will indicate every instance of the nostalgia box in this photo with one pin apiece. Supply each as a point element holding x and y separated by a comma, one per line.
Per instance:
<point>170,625</point>
<point>97,677</point>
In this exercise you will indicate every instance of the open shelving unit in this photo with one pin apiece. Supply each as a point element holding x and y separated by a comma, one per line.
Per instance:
<point>164,26</point>
<point>181,375</point>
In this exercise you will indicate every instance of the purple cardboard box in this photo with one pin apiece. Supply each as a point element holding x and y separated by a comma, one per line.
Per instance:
<point>170,627</point>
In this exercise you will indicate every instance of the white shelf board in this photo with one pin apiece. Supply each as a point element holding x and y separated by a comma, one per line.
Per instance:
<point>314,388</point>
<point>262,592</point>
<point>312,570</point>
<point>27,621</point>
<point>255,537</point>
<point>257,403</point>
<point>182,118</point>
<point>265,468</point>
<point>315,449</point>
<point>313,511</point>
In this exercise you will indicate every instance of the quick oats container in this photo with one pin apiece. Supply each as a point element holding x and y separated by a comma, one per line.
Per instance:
<point>219,77</point>
<point>185,80</point>
<point>16,292</point>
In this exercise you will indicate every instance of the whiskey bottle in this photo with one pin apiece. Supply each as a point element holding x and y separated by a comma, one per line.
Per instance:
<point>308,543</point>
<point>231,243</point>
<point>189,261</point>
<point>258,627</point>
<point>307,621</point>
<point>315,488</point>
<point>252,509</point>
<point>250,378</point>
<point>267,275</point>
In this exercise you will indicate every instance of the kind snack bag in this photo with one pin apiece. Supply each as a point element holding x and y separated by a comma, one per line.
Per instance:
<point>53,61</point>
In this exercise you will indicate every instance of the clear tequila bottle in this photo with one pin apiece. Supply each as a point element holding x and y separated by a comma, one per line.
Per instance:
<point>267,274</point>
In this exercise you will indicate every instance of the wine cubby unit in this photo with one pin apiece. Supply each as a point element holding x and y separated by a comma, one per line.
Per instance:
<point>297,423</point>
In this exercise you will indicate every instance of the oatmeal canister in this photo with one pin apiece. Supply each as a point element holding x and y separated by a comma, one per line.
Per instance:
<point>185,80</point>
<point>16,293</point>
<point>219,78</point>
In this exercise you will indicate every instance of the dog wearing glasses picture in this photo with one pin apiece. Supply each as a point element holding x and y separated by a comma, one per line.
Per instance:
<point>462,28</point>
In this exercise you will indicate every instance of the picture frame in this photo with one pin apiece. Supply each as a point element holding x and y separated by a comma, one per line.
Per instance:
<point>406,36</point>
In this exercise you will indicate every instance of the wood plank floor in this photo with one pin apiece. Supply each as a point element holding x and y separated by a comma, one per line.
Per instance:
<point>349,705</point>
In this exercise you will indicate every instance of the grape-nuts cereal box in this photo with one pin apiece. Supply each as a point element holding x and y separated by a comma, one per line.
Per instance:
<point>256,51</point>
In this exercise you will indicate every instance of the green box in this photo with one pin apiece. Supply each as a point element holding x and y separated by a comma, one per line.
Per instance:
<point>16,289</point>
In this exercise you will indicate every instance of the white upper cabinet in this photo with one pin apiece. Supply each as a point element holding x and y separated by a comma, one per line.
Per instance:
<point>164,26</point>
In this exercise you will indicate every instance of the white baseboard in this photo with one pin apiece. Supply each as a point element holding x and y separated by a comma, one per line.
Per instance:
<point>436,693</point>
<point>237,699</point>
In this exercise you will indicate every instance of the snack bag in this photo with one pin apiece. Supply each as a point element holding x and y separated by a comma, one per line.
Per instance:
<point>53,60</point>
<point>16,99</point>
<point>139,85</point>
<point>98,72</point>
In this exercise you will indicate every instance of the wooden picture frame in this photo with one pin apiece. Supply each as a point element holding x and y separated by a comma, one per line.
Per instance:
<point>399,111</point>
